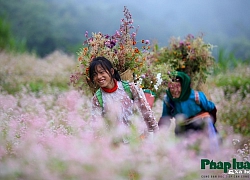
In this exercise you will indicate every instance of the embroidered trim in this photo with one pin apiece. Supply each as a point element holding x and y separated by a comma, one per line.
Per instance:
<point>126,87</point>
<point>111,90</point>
<point>196,97</point>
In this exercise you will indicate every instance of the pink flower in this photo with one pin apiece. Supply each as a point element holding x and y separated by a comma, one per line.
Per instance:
<point>147,42</point>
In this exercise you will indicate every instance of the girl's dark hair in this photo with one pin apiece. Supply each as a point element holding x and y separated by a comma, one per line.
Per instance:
<point>106,65</point>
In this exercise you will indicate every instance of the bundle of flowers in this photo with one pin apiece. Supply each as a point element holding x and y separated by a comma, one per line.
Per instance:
<point>149,80</point>
<point>121,49</point>
<point>190,55</point>
<point>154,78</point>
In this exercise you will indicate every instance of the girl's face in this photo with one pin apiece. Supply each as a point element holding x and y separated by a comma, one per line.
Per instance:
<point>103,78</point>
<point>175,89</point>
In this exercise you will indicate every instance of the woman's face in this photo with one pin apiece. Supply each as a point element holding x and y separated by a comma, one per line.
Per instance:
<point>175,89</point>
<point>103,78</point>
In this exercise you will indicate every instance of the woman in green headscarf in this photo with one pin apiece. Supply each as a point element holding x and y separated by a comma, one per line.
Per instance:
<point>180,99</point>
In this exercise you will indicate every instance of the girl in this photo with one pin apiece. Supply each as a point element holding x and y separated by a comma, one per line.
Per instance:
<point>115,99</point>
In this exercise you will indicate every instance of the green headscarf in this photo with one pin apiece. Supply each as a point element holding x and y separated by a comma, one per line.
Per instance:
<point>185,87</point>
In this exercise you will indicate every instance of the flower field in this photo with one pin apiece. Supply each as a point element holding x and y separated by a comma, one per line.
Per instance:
<point>45,133</point>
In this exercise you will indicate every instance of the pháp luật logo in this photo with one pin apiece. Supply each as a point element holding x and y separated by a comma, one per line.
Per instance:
<point>228,167</point>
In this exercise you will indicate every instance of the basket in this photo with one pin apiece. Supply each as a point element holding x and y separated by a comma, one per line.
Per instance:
<point>150,97</point>
<point>204,88</point>
<point>201,86</point>
<point>127,75</point>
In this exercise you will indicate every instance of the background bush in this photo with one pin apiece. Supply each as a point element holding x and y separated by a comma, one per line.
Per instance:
<point>24,70</point>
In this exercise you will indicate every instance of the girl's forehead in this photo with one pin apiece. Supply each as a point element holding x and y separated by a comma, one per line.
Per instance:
<point>175,83</point>
<point>99,67</point>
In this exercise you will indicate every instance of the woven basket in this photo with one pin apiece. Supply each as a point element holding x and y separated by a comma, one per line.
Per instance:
<point>127,75</point>
<point>201,86</point>
<point>204,88</point>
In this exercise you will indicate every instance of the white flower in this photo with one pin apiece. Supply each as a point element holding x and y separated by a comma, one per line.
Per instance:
<point>159,79</point>
<point>140,81</point>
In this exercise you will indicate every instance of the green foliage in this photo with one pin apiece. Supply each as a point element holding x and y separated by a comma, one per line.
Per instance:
<point>41,85</point>
<point>36,86</point>
<point>241,48</point>
<point>236,113</point>
<point>225,61</point>
<point>9,87</point>
<point>190,55</point>
<point>58,165</point>
<point>232,84</point>
<point>36,75</point>
<point>61,85</point>
<point>235,84</point>
<point>238,81</point>
<point>7,40</point>
<point>46,25</point>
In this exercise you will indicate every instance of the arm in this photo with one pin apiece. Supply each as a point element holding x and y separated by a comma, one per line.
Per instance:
<point>207,105</point>
<point>143,106</point>
<point>165,108</point>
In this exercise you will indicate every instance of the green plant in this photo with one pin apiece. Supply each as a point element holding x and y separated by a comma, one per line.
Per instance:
<point>233,88</point>
<point>9,87</point>
<point>234,82</point>
<point>225,62</point>
<point>7,40</point>
<point>149,80</point>
<point>190,55</point>
<point>154,77</point>
<point>236,113</point>
<point>36,86</point>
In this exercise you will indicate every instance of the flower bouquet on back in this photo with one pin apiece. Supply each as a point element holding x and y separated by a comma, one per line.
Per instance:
<point>190,55</point>
<point>153,80</point>
<point>121,49</point>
